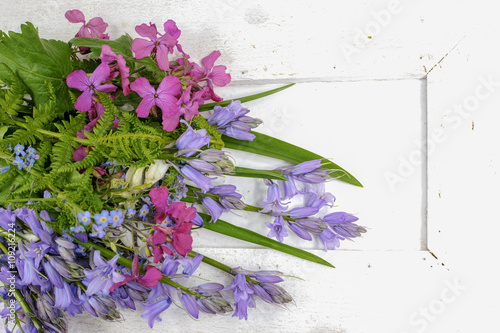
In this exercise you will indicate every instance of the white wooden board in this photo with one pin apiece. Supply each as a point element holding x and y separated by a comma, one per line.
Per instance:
<point>387,281</point>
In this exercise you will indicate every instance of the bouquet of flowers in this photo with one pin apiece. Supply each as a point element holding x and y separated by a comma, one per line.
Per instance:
<point>110,156</point>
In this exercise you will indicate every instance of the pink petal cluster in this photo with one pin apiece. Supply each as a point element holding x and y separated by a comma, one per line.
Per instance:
<point>150,279</point>
<point>158,44</point>
<point>95,28</point>
<point>88,85</point>
<point>166,239</point>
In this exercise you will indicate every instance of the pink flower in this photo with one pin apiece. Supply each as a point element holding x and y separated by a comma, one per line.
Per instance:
<point>163,97</point>
<point>157,44</point>
<point>108,56</point>
<point>95,28</point>
<point>79,80</point>
<point>150,279</point>
<point>180,234</point>
<point>212,74</point>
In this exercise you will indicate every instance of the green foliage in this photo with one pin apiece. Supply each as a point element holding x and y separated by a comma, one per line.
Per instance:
<point>11,99</point>
<point>36,61</point>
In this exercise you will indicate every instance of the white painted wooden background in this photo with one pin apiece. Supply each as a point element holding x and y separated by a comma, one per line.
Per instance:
<point>399,90</point>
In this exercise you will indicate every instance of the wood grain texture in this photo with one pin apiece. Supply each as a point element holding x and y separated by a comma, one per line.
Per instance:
<point>383,282</point>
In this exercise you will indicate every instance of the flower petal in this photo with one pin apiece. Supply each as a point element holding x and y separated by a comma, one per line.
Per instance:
<point>75,16</point>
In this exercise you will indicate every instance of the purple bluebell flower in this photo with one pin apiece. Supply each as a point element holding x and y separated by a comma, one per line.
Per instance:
<point>116,217</point>
<point>318,197</point>
<point>273,204</point>
<point>232,121</point>
<point>191,141</point>
<point>154,310</point>
<point>204,166</point>
<point>272,293</point>
<point>19,149</point>
<point>52,274</point>
<point>312,224</point>
<point>214,209</point>
<point>299,231</point>
<point>330,240</point>
<point>343,224</point>
<point>170,265</point>
<point>289,187</point>
<point>307,172</point>
<point>242,296</point>
<point>102,218</point>
<point>84,217</point>
<point>144,211</point>
<point>7,218</point>
<point>65,298</point>
<point>202,181</point>
<point>302,212</point>
<point>123,299</point>
<point>277,229</point>
<point>37,251</point>
<point>198,220</point>
<point>30,218</point>
<point>190,264</point>
<point>189,303</point>
<point>103,276</point>
<point>159,291</point>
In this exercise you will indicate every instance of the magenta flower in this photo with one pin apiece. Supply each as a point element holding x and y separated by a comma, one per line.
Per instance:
<point>95,28</point>
<point>163,97</point>
<point>88,85</point>
<point>107,57</point>
<point>212,74</point>
<point>157,44</point>
<point>150,278</point>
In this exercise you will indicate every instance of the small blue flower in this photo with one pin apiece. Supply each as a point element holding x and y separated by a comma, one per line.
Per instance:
<point>19,150</point>
<point>9,147</point>
<point>98,230</point>
<point>116,218</point>
<point>4,170</point>
<point>102,218</point>
<point>144,210</point>
<point>31,152</point>
<point>31,161</point>
<point>84,217</point>
<point>146,200</point>
<point>77,229</point>
<point>19,162</point>
<point>130,213</point>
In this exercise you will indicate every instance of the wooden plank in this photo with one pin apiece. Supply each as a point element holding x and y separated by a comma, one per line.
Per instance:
<point>267,40</point>
<point>364,294</point>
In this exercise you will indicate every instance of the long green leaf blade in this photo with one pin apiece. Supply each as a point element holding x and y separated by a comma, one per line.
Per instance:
<point>255,173</point>
<point>228,229</point>
<point>210,106</point>
<point>268,146</point>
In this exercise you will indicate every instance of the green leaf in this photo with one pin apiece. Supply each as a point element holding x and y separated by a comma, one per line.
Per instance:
<point>210,106</point>
<point>3,130</point>
<point>228,229</point>
<point>37,61</point>
<point>254,173</point>
<point>268,146</point>
<point>122,45</point>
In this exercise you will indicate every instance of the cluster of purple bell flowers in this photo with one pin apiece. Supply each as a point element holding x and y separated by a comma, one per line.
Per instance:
<point>303,221</point>
<point>55,277</point>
